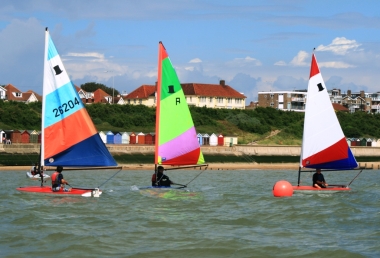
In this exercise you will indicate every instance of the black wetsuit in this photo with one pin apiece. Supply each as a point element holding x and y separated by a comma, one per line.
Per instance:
<point>318,177</point>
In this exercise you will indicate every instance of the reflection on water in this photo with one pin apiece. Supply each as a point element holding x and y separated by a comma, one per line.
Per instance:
<point>221,214</point>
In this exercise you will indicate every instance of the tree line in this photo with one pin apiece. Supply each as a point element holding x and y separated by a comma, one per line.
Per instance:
<point>18,115</point>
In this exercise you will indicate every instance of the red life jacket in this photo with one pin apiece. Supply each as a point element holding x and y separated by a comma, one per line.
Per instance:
<point>54,180</point>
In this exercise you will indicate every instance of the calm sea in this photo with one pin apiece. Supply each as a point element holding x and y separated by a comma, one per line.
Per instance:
<point>226,214</point>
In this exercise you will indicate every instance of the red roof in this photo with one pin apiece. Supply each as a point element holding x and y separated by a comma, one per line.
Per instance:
<point>199,89</point>
<point>100,96</point>
<point>339,107</point>
<point>210,90</point>
<point>142,92</point>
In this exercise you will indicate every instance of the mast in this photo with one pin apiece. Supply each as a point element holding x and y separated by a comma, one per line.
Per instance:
<point>46,68</point>
<point>158,102</point>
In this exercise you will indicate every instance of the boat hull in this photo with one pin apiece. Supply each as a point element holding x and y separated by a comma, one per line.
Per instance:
<point>36,177</point>
<point>329,189</point>
<point>47,191</point>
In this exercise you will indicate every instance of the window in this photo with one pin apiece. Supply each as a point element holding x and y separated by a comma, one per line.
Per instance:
<point>129,101</point>
<point>134,101</point>
<point>191,99</point>
<point>202,99</point>
<point>229,100</point>
<point>238,101</point>
<point>271,104</point>
<point>18,94</point>
<point>220,100</point>
<point>271,96</point>
<point>210,99</point>
<point>140,101</point>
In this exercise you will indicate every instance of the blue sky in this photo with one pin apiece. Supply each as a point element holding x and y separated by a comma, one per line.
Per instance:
<point>252,45</point>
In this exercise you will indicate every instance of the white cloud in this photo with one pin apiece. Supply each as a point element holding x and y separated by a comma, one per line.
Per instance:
<point>339,46</point>
<point>300,59</point>
<point>335,65</point>
<point>195,60</point>
<point>247,60</point>
<point>89,54</point>
<point>281,63</point>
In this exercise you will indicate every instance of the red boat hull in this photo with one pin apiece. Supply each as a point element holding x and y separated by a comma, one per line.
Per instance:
<point>307,188</point>
<point>47,190</point>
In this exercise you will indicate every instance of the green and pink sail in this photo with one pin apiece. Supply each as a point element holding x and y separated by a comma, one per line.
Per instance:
<point>176,138</point>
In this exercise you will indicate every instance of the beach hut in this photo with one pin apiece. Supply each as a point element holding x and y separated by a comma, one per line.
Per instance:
<point>149,138</point>
<point>117,138</point>
<point>110,137</point>
<point>25,136</point>
<point>141,138</point>
<point>33,136</point>
<point>348,140</point>
<point>369,142</point>
<point>2,136</point>
<point>374,143</point>
<point>103,136</point>
<point>213,140</point>
<point>200,139</point>
<point>206,139</point>
<point>39,135</point>
<point>363,142</point>
<point>230,140</point>
<point>132,138</point>
<point>220,140</point>
<point>125,138</point>
<point>15,136</point>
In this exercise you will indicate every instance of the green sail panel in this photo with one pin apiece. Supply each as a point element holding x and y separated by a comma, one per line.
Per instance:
<point>176,138</point>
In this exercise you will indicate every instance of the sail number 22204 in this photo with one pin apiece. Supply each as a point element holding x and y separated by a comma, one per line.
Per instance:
<point>65,107</point>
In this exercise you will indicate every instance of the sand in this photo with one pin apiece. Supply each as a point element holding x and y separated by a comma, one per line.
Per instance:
<point>214,166</point>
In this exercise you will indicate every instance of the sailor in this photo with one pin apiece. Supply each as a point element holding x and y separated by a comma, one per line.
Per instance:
<point>57,181</point>
<point>319,179</point>
<point>159,179</point>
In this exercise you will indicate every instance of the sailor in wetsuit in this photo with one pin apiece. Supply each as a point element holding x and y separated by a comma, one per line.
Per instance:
<point>319,180</point>
<point>159,179</point>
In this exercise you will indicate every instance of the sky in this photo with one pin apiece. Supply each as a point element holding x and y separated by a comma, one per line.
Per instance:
<point>252,45</point>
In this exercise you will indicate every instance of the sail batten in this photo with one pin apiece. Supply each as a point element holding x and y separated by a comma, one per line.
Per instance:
<point>176,138</point>
<point>324,145</point>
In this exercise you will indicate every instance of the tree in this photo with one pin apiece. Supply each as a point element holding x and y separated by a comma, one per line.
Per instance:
<point>93,86</point>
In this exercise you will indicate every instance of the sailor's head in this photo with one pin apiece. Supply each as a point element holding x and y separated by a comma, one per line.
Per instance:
<point>318,170</point>
<point>160,169</point>
<point>59,169</point>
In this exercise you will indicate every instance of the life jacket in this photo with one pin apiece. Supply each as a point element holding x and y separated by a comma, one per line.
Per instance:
<point>55,182</point>
<point>163,180</point>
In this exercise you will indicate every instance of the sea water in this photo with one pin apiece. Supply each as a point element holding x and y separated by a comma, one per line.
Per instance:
<point>224,213</point>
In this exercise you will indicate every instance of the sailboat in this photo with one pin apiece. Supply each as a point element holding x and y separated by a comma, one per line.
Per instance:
<point>69,137</point>
<point>324,145</point>
<point>176,143</point>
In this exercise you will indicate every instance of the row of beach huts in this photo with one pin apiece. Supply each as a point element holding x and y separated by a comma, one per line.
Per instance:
<point>32,136</point>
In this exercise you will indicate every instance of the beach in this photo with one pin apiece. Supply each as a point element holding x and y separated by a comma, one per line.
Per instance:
<point>214,166</point>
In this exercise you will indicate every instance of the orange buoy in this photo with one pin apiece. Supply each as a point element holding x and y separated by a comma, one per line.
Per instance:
<point>282,189</point>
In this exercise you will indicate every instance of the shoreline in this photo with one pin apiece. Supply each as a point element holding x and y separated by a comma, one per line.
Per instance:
<point>213,166</point>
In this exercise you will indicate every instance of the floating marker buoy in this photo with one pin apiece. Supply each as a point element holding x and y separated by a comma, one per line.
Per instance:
<point>282,189</point>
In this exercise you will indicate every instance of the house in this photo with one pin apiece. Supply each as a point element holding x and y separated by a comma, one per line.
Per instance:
<point>3,93</point>
<point>14,94</point>
<point>197,94</point>
<point>143,95</point>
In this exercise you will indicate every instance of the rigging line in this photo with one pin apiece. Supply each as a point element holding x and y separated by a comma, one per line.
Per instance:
<point>195,177</point>
<point>355,177</point>
<point>110,178</point>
